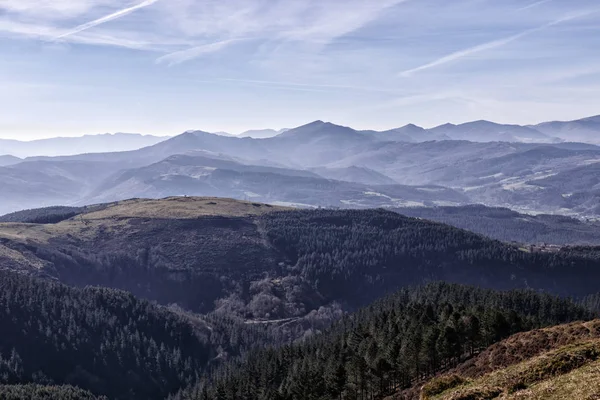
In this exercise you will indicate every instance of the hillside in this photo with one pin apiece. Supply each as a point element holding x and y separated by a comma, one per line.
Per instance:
<point>196,174</point>
<point>508,226</point>
<point>44,215</point>
<point>554,363</point>
<point>101,340</point>
<point>260,261</point>
<point>413,333</point>
<point>244,280</point>
<point>42,183</point>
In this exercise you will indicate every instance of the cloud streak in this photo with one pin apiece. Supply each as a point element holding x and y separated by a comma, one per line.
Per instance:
<point>107,18</point>
<point>309,85</point>
<point>114,39</point>
<point>493,44</point>
<point>182,56</point>
<point>537,3</point>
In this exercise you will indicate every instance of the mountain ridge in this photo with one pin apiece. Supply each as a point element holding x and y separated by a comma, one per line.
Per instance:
<point>62,146</point>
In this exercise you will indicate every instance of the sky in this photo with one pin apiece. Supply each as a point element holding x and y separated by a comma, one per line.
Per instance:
<point>75,67</point>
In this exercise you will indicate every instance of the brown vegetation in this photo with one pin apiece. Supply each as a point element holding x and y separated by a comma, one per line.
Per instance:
<point>523,361</point>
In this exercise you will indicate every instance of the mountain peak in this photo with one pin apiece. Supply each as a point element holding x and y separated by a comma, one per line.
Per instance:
<point>446,125</point>
<point>318,127</point>
<point>412,128</point>
<point>314,124</point>
<point>479,122</point>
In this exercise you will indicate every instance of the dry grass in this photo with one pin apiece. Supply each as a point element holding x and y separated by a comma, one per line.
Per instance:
<point>114,216</point>
<point>525,345</point>
<point>23,232</point>
<point>181,208</point>
<point>521,364</point>
<point>538,378</point>
<point>115,220</point>
<point>581,384</point>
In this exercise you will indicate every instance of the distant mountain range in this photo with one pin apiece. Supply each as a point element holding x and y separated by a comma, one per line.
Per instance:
<point>583,130</point>
<point>586,130</point>
<point>321,164</point>
<point>61,146</point>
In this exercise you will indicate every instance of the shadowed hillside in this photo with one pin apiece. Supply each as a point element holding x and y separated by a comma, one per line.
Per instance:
<point>508,226</point>
<point>261,261</point>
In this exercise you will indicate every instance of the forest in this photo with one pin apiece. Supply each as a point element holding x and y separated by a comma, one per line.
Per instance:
<point>296,304</point>
<point>101,340</point>
<point>62,342</point>
<point>391,344</point>
<point>41,392</point>
<point>510,226</point>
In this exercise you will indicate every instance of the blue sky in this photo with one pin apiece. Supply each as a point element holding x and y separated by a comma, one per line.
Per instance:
<point>73,67</point>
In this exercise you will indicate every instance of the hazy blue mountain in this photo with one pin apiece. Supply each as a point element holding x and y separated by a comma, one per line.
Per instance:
<point>317,143</point>
<point>582,130</point>
<point>485,131</point>
<point>355,174</point>
<point>410,133</point>
<point>24,188</point>
<point>569,181</point>
<point>423,163</point>
<point>205,176</point>
<point>186,142</point>
<point>78,145</point>
<point>9,160</point>
<point>41,183</point>
<point>497,173</point>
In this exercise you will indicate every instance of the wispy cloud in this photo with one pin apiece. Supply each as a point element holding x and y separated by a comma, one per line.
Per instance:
<point>493,44</point>
<point>130,40</point>
<point>311,22</point>
<point>537,3</point>
<point>309,85</point>
<point>315,22</point>
<point>181,56</point>
<point>51,10</point>
<point>107,18</point>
